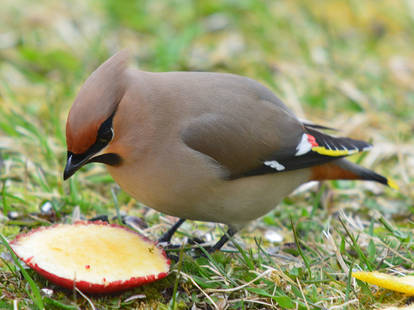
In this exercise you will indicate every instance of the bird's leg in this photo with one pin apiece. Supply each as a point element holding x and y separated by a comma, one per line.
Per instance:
<point>230,233</point>
<point>166,237</point>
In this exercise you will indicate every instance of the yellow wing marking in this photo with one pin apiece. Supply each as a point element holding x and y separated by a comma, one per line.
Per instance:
<point>324,151</point>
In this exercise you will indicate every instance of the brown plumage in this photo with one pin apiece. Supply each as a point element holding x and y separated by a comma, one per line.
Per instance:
<point>202,146</point>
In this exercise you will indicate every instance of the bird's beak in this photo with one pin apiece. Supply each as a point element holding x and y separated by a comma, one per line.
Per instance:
<point>74,163</point>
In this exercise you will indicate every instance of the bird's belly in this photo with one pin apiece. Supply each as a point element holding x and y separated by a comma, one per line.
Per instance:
<point>239,201</point>
<point>234,202</point>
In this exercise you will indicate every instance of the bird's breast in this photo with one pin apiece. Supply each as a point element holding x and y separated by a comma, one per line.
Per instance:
<point>169,180</point>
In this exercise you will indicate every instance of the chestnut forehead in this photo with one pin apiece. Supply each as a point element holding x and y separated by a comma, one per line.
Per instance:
<point>80,139</point>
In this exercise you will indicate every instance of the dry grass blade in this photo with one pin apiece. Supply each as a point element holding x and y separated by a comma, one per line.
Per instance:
<point>86,298</point>
<point>188,277</point>
<point>233,289</point>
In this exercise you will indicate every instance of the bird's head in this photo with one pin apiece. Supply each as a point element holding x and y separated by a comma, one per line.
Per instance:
<point>89,127</point>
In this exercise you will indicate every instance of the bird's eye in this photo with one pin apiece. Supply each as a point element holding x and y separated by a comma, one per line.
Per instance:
<point>106,136</point>
<point>105,132</point>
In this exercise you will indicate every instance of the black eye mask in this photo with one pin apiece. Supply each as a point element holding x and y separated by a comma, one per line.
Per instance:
<point>105,132</point>
<point>103,137</point>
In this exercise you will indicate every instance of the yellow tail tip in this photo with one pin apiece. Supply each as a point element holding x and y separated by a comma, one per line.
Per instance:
<point>392,184</point>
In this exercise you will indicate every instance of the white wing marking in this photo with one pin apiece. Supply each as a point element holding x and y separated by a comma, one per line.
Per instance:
<point>304,146</point>
<point>275,165</point>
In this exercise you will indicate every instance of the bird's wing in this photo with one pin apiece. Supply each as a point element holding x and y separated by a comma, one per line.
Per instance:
<point>268,140</point>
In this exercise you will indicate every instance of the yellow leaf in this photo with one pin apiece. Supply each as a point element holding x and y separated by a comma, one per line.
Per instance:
<point>394,283</point>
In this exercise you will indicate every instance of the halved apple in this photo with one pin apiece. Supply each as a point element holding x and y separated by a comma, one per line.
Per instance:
<point>96,257</point>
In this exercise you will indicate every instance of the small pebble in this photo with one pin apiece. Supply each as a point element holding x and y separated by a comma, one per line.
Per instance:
<point>13,215</point>
<point>46,208</point>
<point>273,236</point>
<point>47,292</point>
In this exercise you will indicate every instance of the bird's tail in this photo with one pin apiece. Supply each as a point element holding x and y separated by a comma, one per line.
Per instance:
<point>346,170</point>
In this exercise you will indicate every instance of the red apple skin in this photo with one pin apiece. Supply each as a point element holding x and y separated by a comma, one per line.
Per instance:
<point>92,288</point>
<point>87,287</point>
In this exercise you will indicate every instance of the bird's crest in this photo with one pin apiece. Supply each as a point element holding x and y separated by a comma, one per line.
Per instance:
<point>97,100</point>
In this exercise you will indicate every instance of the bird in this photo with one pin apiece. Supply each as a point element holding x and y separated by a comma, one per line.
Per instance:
<point>214,147</point>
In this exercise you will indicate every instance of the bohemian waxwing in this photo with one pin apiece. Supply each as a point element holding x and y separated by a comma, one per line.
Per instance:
<point>202,146</point>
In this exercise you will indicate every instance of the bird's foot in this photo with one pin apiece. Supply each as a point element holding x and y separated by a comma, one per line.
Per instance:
<point>166,237</point>
<point>192,247</point>
<point>198,247</point>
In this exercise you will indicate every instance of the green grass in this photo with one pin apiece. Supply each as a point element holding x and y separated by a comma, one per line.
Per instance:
<point>345,64</point>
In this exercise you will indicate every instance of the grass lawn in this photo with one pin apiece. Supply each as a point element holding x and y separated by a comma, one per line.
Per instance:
<point>344,64</point>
